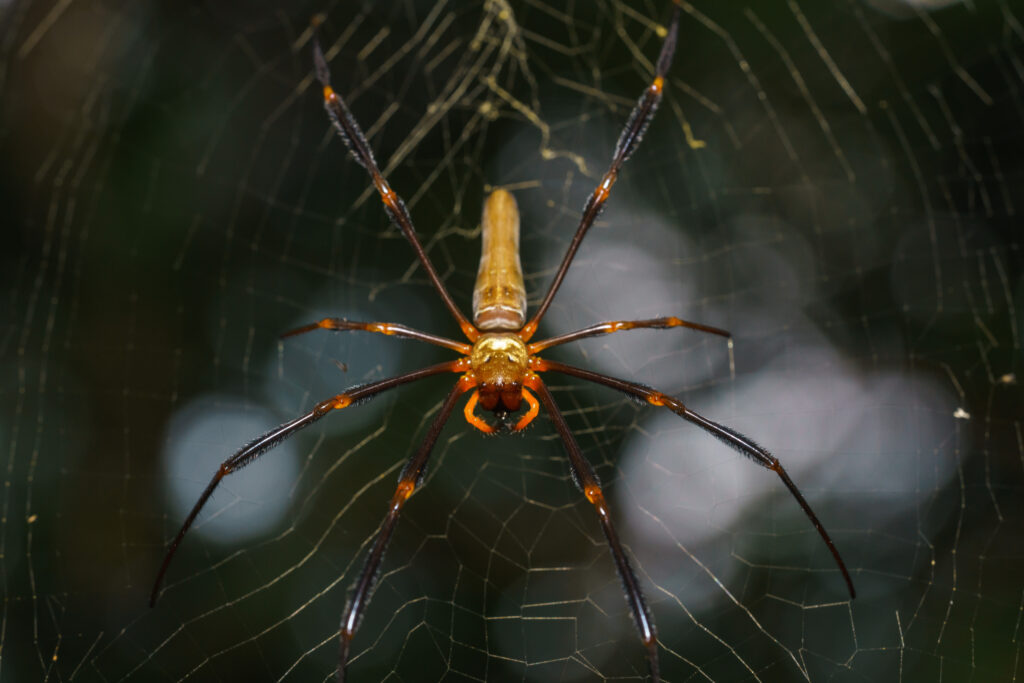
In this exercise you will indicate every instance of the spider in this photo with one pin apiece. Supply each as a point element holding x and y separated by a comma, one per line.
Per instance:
<point>499,364</point>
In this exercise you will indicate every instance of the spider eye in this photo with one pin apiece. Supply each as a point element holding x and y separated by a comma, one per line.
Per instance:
<point>509,357</point>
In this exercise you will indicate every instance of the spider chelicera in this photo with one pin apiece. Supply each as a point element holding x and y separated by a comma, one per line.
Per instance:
<point>499,365</point>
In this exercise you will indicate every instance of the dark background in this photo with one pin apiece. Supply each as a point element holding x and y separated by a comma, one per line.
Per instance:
<point>837,183</point>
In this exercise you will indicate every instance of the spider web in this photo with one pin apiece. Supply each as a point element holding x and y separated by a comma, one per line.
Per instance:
<point>836,183</point>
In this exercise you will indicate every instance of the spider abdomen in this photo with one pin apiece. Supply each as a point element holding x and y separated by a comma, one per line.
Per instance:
<point>499,297</point>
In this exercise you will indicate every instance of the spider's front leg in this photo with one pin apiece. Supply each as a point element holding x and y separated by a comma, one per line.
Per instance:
<point>257,447</point>
<point>731,438</point>
<point>410,478</point>
<point>586,480</point>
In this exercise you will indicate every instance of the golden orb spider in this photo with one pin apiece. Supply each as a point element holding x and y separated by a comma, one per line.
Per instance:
<point>499,364</point>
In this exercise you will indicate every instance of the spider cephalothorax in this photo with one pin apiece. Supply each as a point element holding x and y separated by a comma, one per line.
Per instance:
<point>499,364</point>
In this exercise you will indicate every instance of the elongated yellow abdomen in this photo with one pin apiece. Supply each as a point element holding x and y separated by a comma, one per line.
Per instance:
<point>499,298</point>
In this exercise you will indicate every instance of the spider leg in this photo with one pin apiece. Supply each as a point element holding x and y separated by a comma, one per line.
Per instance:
<point>618,325</point>
<point>410,478</point>
<point>355,140</point>
<point>630,138</point>
<point>390,329</point>
<point>586,479</point>
<point>257,447</point>
<point>731,438</point>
